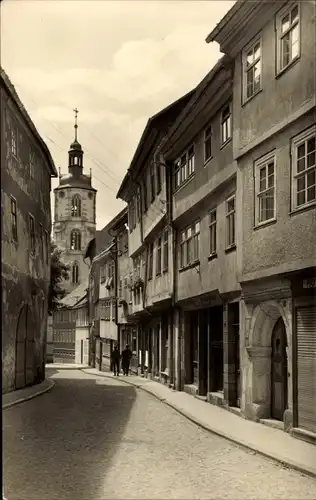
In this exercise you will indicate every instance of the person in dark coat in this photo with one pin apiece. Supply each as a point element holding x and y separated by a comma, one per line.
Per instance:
<point>126,359</point>
<point>115,361</point>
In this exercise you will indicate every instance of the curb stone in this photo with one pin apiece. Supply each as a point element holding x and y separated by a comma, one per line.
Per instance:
<point>27,398</point>
<point>279,460</point>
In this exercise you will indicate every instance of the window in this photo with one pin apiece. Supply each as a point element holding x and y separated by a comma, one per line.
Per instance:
<point>207,143</point>
<point>265,189</point>
<point>76,206</point>
<point>230,222</point>
<point>159,254</point>
<point>32,163</point>
<point>138,206</point>
<point>212,224</point>
<point>165,255</point>
<point>14,140</point>
<point>184,167</point>
<point>190,245</point>
<point>120,290</point>
<point>32,233</point>
<point>75,240</point>
<point>126,288</point>
<point>150,261</point>
<point>136,266</point>
<point>110,267</point>
<point>252,70</point>
<point>158,177</point>
<point>130,291</point>
<point>102,274</point>
<point>145,195</point>
<point>288,37</point>
<point>304,169</point>
<point>14,224</point>
<point>226,124</point>
<point>152,182</point>
<point>75,273</point>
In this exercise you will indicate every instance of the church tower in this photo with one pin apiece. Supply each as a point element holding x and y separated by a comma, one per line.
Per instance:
<point>75,214</point>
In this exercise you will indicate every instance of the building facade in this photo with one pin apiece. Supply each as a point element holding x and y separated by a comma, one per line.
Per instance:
<point>26,171</point>
<point>146,190</point>
<point>272,45</point>
<point>199,154</point>
<point>75,216</point>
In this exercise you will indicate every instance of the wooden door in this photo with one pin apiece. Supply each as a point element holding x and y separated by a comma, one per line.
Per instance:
<point>278,371</point>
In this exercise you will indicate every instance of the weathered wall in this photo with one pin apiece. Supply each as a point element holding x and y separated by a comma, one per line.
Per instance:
<point>289,243</point>
<point>282,97</point>
<point>25,276</point>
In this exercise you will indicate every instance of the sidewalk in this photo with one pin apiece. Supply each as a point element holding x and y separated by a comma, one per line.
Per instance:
<point>65,366</point>
<point>21,395</point>
<point>267,441</point>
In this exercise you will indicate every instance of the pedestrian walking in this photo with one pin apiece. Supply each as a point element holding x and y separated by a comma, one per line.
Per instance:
<point>126,359</point>
<point>115,361</point>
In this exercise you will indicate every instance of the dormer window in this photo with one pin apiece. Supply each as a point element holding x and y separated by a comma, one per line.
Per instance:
<point>76,206</point>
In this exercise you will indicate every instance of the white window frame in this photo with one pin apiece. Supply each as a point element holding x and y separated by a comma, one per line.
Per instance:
<point>261,163</point>
<point>184,167</point>
<point>250,47</point>
<point>296,142</point>
<point>213,232</point>
<point>165,250</point>
<point>208,140</point>
<point>229,215</point>
<point>190,243</point>
<point>223,124</point>
<point>14,219</point>
<point>279,35</point>
<point>159,256</point>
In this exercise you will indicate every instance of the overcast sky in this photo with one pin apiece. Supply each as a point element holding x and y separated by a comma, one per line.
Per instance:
<point>118,62</point>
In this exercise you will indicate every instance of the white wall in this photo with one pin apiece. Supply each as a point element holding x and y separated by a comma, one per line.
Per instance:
<point>82,333</point>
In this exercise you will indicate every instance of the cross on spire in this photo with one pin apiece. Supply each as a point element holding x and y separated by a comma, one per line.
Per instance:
<point>76,122</point>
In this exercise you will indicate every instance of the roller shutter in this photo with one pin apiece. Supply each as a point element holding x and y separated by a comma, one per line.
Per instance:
<point>306,367</point>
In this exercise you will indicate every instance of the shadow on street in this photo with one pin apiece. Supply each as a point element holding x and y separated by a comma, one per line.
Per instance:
<point>59,445</point>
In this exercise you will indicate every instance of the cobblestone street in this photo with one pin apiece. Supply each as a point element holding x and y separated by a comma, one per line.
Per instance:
<point>97,438</point>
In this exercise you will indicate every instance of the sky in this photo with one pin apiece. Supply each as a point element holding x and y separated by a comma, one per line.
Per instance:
<point>118,62</point>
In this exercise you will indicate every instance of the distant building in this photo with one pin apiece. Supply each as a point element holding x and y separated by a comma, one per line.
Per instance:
<point>75,215</point>
<point>26,171</point>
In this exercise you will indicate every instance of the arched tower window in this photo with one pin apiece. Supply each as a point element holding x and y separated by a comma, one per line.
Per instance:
<point>76,206</point>
<point>75,240</point>
<point>75,273</point>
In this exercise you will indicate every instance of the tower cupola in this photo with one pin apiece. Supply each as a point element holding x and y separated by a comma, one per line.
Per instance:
<point>75,153</point>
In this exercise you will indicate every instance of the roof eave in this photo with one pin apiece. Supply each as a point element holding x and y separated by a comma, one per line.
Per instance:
<point>13,93</point>
<point>214,35</point>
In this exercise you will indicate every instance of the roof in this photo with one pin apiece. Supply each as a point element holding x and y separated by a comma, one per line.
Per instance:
<point>5,81</point>
<point>72,298</point>
<point>146,134</point>
<point>228,16</point>
<point>198,93</point>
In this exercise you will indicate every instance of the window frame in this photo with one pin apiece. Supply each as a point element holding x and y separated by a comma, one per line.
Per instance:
<point>150,261</point>
<point>228,217</point>
<point>208,133</point>
<point>32,162</point>
<point>259,164</point>
<point>159,256</point>
<point>287,9</point>
<point>78,232</point>
<point>223,122</point>
<point>187,245</point>
<point>76,205</point>
<point>165,251</point>
<point>14,140</point>
<point>184,164</point>
<point>14,220</point>
<point>297,141</point>
<point>75,266</point>
<point>32,234</point>
<point>250,46</point>
<point>213,224</point>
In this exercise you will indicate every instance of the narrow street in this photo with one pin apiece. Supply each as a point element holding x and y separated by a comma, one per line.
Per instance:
<point>96,438</point>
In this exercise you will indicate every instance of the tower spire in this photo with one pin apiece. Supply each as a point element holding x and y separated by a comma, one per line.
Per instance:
<point>76,122</point>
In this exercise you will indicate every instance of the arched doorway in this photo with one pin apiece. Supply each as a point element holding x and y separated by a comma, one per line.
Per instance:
<point>278,371</point>
<point>24,349</point>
